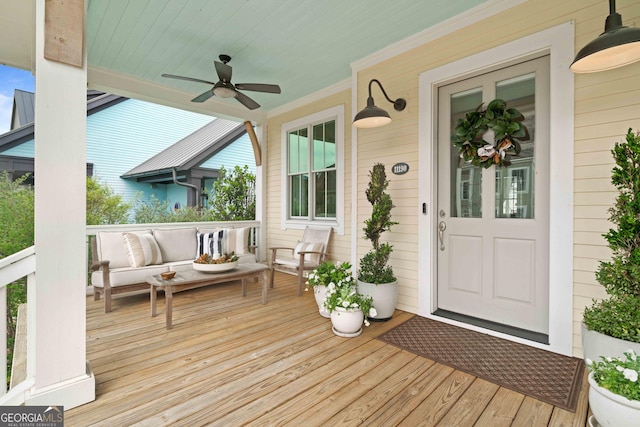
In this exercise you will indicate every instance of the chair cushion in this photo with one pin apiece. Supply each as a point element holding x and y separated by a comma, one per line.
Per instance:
<point>292,264</point>
<point>236,240</point>
<point>176,244</point>
<point>111,248</point>
<point>142,249</point>
<point>304,247</point>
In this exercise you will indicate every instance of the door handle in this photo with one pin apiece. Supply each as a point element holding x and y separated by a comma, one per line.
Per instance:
<point>441,227</point>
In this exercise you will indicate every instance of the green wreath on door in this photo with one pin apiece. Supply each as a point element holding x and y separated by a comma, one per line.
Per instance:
<point>481,147</point>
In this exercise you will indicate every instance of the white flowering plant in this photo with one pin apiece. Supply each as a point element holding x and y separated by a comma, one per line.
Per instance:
<point>618,375</point>
<point>341,289</point>
<point>328,272</point>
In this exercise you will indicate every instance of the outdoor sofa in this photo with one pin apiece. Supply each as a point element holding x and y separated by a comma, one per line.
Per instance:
<point>121,261</point>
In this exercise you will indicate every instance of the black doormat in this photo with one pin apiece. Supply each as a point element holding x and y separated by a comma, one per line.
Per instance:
<point>546,376</point>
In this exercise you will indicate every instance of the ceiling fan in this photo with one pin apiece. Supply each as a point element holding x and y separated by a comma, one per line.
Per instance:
<point>225,89</point>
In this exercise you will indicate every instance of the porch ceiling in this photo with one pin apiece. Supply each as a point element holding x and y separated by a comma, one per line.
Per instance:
<point>302,45</point>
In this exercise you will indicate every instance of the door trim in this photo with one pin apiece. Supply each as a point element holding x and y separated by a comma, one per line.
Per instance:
<point>558,42</point>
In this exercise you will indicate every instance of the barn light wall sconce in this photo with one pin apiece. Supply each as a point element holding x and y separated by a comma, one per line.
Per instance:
<point>617,46</point>
<point>372,116</point>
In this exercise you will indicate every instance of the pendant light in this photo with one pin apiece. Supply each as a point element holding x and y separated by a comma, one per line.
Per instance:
<point>617,46</point>
<point>372,116</point>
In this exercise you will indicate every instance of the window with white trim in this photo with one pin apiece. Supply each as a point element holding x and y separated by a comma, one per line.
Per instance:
<point>312,172</point>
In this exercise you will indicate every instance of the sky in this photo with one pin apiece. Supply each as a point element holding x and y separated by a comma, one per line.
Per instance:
<point>10,79</point>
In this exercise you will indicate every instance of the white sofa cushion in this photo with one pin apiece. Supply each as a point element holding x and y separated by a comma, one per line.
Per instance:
<point>142,249</point>
<point>111,248</point>
<point>177,244</point>
<point>127,275</point>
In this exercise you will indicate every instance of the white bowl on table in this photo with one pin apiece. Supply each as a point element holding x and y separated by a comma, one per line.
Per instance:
<point>215,268</point>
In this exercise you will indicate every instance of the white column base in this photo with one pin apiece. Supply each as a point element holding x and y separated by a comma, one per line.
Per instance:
<point>70,393</point>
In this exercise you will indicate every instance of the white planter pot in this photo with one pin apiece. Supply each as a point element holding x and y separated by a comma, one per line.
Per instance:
<point>595,344</point>
<point>385,298</point>
<point>347,322</point>
<point>612,410</point>
<point>319,292</point>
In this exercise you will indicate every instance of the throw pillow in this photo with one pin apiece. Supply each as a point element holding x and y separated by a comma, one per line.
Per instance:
<point>110,248</point>
<point>236,240</point>
<point>142,249</point>
<point>307,246</point>
<point>209,242</point>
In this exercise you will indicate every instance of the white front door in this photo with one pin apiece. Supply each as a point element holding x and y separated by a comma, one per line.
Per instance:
<point>493,223</point>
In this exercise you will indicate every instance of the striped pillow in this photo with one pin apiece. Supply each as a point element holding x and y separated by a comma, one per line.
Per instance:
<point>236,240</point>
<point>304,247</point>
<point>142,249</point>
<point>209,243</point>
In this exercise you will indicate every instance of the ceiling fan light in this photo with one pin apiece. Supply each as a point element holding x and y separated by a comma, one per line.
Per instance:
<point>223,91</point>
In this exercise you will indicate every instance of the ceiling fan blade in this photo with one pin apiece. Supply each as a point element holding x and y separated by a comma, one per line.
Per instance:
<point>223,70</point>
<point>246,101</point>
<point>259,87</point>
<point>203,96</point>
<point>189,79</point>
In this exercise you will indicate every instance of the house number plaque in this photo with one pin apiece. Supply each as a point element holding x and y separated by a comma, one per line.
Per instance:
<point>400,168</point>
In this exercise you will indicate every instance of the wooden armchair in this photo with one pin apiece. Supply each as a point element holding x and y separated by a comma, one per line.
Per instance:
<point>308,254</point>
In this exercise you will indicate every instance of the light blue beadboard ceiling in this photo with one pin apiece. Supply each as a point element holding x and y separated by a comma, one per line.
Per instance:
<point>301,45</point>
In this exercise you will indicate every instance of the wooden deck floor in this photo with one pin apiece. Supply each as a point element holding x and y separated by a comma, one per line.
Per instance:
<point>231,361</point>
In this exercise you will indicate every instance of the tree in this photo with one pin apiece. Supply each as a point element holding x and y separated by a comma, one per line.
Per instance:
<point>103,206</point>
<point>233,195</point>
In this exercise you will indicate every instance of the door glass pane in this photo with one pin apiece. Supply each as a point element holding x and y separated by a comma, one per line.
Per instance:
<point>515,196</point>
<point>466,179</point>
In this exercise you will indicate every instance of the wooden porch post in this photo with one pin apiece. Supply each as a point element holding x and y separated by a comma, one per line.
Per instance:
<point>58,328</point>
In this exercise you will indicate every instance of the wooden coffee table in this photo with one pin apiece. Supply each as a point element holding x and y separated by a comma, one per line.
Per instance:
<point>190,279</point>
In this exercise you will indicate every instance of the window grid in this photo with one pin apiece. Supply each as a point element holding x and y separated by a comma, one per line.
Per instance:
<point>312,170</point>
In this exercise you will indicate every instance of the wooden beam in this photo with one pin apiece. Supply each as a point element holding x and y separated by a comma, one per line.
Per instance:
<point>64,31</point>
<point>257,153</point>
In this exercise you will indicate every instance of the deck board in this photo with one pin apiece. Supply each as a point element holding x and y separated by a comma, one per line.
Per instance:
<point>232,361</point>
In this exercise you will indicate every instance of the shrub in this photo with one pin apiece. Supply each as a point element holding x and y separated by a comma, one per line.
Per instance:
<point>619,315</point>
<point>152,211</point>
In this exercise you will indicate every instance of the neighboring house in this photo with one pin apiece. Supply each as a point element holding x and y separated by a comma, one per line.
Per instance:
<point>133,147</point>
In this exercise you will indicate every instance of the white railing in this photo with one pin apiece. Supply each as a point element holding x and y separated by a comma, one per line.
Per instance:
<point>13,268</point>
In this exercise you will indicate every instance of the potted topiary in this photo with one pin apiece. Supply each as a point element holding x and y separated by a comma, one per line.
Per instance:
<point>612,326</point>
<point>375,276</point>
